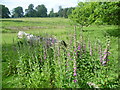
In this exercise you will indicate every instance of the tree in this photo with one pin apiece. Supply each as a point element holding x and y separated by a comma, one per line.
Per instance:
<point>69,11</point>
<point>96,12</point>
<point>30,12</point>
<point>56,14</point>
<point>110,13</point>
<point>41,11</point>
<point>4,12</point>
<point>81,14</point>
<point>65,12</point>
<point>51,14</point>
<point>60,12</point>
<point>18,12</point>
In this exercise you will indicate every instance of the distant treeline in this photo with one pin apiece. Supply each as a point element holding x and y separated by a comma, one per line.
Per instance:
<point>39,11</point>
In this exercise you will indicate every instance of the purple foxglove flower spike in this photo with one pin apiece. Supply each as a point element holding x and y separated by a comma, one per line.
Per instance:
<point>75,81</point>
<point>74,74</point>
<point>79,47</point>
<point>106,54</point>
<point>69,54</point>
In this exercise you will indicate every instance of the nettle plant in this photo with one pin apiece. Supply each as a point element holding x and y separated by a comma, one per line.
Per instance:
<point>80,64</point>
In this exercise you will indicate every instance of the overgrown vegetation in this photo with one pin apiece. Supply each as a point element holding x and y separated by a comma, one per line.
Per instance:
<point>87,13</point>
<point>83,64</point>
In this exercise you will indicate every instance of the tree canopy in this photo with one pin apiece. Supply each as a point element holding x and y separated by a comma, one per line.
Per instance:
<point>65,12</point>
<point>4,11</point>
<point>51,14</point>
<point>30,12</point>
<point>87,13</point>
<point>18,12</point>
<point>41,11</point>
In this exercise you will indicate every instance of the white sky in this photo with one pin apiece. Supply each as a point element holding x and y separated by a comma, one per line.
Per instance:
<point>48,3</point>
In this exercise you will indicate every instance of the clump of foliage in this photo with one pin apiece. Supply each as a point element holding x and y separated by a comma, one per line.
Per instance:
<point>18,12</point>
<point>4,11</point>
<point>87,13</point>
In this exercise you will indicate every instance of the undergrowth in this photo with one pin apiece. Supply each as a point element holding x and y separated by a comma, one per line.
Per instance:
<point>83,64</point>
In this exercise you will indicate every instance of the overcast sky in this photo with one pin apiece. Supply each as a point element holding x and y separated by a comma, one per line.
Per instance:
<point>48,3</point>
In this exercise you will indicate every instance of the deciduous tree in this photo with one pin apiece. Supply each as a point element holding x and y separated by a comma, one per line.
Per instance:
<point>18,12</point>
<point>41,11</point>
<point>51,13</point>
<point>87,13</point>
<point>4,12</point>
<point>30,12</point>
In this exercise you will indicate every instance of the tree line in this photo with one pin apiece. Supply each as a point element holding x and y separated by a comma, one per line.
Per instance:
<point>39,11</point>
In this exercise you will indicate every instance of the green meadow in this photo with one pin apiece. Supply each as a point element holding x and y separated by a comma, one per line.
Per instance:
<point>49,74</point>
<point>10,27</point>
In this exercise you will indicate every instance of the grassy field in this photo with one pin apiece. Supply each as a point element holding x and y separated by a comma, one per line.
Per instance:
<point>34,26</point>
<point>15,61</point>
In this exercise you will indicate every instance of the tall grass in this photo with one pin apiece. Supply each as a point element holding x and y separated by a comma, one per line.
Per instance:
<point>83,64</point>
